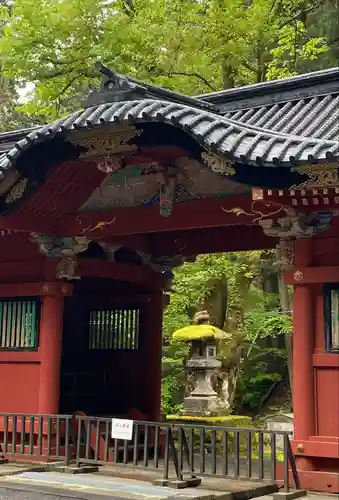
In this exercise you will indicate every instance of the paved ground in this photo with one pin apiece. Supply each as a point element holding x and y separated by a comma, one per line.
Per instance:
<point>10,494</point>
<point>93,487</point>
<point>310,496</point>
<point>17,482</point>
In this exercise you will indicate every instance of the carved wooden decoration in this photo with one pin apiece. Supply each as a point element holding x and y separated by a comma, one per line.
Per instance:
<point>218,165</point>
<point>107,144</point>
<point>17,191</point>
<point>324,175</point>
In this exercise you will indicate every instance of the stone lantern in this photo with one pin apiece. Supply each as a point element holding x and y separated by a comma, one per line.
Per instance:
<point>203,364</point>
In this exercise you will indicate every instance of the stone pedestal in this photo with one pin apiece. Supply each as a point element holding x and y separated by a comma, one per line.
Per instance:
<point>203,400</point>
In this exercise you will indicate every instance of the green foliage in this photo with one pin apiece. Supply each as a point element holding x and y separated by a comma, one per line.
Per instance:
<point>173,381</point>
<point>189,46</point>
<point>228,285</point>
<point>10,117</point>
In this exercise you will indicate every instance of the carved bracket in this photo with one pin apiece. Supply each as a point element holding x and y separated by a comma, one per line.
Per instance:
<point>53,246</point>
<point>66,269</point>
<point>288,227</point>
<point>285,253</point>
<point>298,225</point>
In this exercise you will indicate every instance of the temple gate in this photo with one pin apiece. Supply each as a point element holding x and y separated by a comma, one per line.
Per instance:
<point>97,209</point>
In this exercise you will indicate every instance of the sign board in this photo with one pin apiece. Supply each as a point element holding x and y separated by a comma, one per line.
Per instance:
<point>122,429</point>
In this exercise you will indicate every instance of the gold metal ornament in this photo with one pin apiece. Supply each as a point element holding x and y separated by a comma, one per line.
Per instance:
<point>298,276</point>
<point>17,191</point>
<point>107,144</point>
<point>320,176</point>
<point>11,177</point>
<point>217,164</point>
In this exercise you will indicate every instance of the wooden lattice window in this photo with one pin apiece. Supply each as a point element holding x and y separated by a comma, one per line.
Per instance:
<point>114,329</point>
<point>331,314</point>
<point>19,323</point>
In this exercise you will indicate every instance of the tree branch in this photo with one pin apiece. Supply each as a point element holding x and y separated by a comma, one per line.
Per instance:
<point>195,75</point>
<point>303,12</point>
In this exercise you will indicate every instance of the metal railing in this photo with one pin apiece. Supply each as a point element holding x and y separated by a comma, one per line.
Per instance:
<point>37,437</point>
<point>189,450</point>
<point>179,451</point>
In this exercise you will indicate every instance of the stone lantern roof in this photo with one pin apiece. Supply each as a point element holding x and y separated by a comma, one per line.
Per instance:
<point>200,330</point>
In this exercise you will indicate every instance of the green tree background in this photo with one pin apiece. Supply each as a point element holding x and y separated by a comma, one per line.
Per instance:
<point>187,45</point>
<point>241,294</point>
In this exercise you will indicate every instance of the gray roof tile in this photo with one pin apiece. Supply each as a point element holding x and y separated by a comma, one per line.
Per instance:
<point>316,117</point>
<point>241,139</point>
<point>294,119</point>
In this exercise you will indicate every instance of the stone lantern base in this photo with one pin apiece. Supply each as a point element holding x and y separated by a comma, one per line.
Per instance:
<point>203,406</point>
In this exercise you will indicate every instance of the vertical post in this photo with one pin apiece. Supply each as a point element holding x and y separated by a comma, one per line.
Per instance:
<point>153,352</point>
<point>50,353</point>
<point>303,342</point>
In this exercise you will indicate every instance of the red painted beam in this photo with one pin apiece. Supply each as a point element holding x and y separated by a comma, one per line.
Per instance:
<point>22,271</point>
<point>136,220</point>
<point>316,448</point>
<point>19,357</point>
<point>35,289</point>
<point>309,275</point>
<point>325,360</point>
<point>235,210</point>
<point>96,268</point>
<point>211,240</point>
<point>120,272</point>
<point>28,223</point>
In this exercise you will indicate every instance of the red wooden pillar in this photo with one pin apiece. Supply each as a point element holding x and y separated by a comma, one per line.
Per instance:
<point>303,342</point>
<point>50,347</point>
<point>153,355</point>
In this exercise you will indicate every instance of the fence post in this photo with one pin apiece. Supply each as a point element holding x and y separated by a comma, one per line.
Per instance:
<point>166,454</point>
<point>67,440</point>
<point>286,464</point>
<point>293,464</point>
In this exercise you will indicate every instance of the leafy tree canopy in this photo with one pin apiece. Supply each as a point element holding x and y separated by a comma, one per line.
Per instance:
<point>193,46</point>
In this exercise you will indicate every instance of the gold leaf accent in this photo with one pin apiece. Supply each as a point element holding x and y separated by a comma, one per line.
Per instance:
<point>320,176</point>
<point>17,191</point>
<point>109,143</point>
<point>10,179</point>
<point>94,226</point>
<point>217,164</point>
<point>256,212</point>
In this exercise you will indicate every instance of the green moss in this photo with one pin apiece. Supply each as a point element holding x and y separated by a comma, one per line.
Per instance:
<point>198,332</point>
<point>226,420</point>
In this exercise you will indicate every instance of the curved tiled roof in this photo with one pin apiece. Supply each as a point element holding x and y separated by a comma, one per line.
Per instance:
<point>226,136</point>
<point>316,117</point>
<point>306,105</point>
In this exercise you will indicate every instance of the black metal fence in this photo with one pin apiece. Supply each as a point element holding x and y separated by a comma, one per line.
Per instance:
<point>39,438</point>
<point>178,451</point>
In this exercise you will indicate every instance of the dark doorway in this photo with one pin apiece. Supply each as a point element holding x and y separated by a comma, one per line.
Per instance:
<point>102,359</point>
